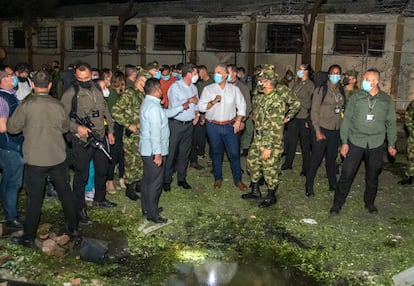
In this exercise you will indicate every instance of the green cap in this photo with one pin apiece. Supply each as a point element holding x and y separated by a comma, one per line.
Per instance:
<point>352,73</point>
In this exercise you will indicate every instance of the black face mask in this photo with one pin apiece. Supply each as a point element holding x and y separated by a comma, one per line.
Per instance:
<point>22,79</point>
<point>85,84</point>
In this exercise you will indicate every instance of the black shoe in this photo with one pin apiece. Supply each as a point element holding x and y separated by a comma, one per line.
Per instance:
<point>83,217</point>
<point>302,174</point>
<point>24,242</point>
<point>14,224</point>
<point>166,187</point>
<point>286,168</point>
<point>104,204</point>
<point>254,192</point>
<point>159,219</point>
<point>408,180</point>
<point>310,194</point>
<point>371,209</point>
<point>333,188</point>
<point>73,232</point>
<point>244,153</point>
<point>184,184</point>
<point>130,192</point>
<point>196,166</point>
<point>160,209</point>
<point>268,202</point>
<point>138,187</point>
<point>335,210</point>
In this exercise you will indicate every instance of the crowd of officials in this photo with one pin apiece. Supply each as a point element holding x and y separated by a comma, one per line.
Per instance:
<point>153,122</point>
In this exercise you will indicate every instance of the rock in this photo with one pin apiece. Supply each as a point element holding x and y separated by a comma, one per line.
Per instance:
<point>49,246</point>
<point>404,278</point>
<point>62,240</point>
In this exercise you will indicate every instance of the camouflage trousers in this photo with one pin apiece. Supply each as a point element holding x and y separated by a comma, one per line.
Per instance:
<point>409,171</point>
<point>133,161</point>
<point>269,169</point>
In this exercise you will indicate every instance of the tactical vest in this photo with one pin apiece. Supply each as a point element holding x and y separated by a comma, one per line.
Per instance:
<point>8,141</point>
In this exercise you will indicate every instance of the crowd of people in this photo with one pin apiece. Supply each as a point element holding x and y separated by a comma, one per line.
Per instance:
<point>152,123</point>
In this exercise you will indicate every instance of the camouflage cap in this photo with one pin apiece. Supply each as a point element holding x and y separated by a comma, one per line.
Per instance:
<point>268,72</point>
<point>143,72</point>
<point>352,72</point>
<point>153,65</point>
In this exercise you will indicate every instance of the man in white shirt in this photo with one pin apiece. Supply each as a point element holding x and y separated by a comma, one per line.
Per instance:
<point>225,108</point>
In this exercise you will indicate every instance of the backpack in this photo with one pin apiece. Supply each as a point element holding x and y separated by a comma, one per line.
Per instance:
<point>321,81</point>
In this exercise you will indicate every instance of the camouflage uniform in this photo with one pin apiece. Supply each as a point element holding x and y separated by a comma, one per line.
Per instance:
<point>268,113</point>
<point>409,122</point>
<point>126,113</point>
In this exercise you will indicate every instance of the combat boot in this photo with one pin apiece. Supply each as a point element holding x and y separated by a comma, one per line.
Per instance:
<point>254,192</point>
<point>408,180</point>
<point>270,199</point>
<point>83,217</point>
<point>130,192</point>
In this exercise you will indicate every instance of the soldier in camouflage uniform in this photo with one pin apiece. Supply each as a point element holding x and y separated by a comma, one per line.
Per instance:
<point>269,115</point>
<point>409,123</point>
<point>126,113</point>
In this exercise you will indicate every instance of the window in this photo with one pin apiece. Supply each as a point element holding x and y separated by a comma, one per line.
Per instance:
<point>47,38</point>
<point>169,37</point>
<point>359,39</point>
<point>17,39</point>
<point>83,38</point>
<point>223,37</point>
<point>128,38</point>
<point>284,38</point>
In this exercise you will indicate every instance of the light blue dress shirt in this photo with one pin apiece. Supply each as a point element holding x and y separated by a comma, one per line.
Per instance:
<point>178,94</point>
<point>154,130</point>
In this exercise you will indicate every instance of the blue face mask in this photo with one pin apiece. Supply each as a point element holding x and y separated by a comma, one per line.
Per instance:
<point>299,73</point>
<point>229,79</point>
<point>217,78</point>
<point>289,77</point>
<point>174,74</point>
<point>158,75</point>
<point>165,77</point>
<point>178,76</point>
<point>366,85</point>
<point>334,78</point>
<point>15,81</point>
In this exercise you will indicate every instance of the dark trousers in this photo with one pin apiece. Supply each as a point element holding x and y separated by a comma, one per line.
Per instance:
<point>35,179</point>
<point>297,130</point>
<point>199,140</point>
<point>373,166</point>
<point>329,146</point>
<point>151,186</point>
<point>117,153</point>
<point>179,149</point>
<point>81,160</point>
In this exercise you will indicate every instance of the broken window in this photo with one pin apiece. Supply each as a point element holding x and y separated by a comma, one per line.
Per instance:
<point>169,37</point>
<point>284,38</point>
<point>128,38</point>
<point>359,39</point>
<point>83,38</point>
<point>224,37</point>
<point>47,38</point>
<point>16,38</point>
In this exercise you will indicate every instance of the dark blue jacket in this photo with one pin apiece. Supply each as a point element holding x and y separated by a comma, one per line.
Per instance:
<point>8,141</point>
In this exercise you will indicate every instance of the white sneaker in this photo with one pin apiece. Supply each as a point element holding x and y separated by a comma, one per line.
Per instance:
<point>90,195</point>
<point>122,183</point>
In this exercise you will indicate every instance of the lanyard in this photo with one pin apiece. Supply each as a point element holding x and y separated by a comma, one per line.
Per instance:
<point>371,107</point>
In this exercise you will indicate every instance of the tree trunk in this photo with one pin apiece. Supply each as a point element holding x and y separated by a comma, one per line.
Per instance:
<point>309,18</point>
<point>29,43</point>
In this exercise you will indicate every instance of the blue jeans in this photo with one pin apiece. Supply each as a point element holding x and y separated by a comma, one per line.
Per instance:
<point>11,164</point>
<point>222,138</point>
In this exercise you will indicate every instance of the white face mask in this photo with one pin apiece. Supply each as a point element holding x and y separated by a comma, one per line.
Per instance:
<point>106,92</point>
<point>194,79</point>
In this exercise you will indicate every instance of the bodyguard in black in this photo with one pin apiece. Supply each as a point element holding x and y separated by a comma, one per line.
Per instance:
<point>43,122</point>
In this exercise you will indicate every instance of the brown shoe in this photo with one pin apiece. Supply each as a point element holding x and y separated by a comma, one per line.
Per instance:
<point>242,187</point>
<point>217,184</point>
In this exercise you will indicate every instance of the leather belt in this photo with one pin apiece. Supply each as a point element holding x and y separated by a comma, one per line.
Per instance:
<point>181,122</point>
<point>221,122</point>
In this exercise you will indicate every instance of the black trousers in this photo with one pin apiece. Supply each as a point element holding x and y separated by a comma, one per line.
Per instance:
<point>35,179</point>
<point>179,149</point>
<point>297,130</point>
<point>117,153</point>
<point>151,185</point>
<point>82,156</point>
<point>199,140</point>
<point>373,159</point>
<point>329,146</point>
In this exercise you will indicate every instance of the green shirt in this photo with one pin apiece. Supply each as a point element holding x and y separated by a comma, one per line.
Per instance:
<point>112,99</point>
<point>369,120</point>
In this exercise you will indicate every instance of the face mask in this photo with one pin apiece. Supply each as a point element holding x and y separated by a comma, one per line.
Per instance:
<point>157,75</point>
<point>289,77</point>
<point>15,81</point>
<point>334,78</point>
<point>174,74</point>
<point>229,79</point>
<point>218,78</point>
<point>106,92</point>
<point>366,85</point>
<point>95,77</point>
<point>179,76</point>
<point>194,79</point>
<point>299,73</point>
<point>165,77</point>
<point>85,84</point>
<point>239,76</point>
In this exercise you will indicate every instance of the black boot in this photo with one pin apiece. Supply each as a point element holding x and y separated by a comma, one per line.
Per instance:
<point>254,192</point>
<point>270,199</point>
<point>83,217</point>
<point>138,187</point>
<point>50,188</point>
<point>130,192</point>
<point>408,180</point>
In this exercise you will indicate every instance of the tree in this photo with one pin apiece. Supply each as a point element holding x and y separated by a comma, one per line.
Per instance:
<point>123,18</point>
<point>309,18</point>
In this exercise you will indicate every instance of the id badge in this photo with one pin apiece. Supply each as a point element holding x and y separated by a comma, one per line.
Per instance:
<point>337,110</point>
<point>95,113</point>
<point>370,117</point>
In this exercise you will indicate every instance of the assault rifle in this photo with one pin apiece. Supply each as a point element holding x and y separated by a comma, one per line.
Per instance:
<point>93,137</point>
